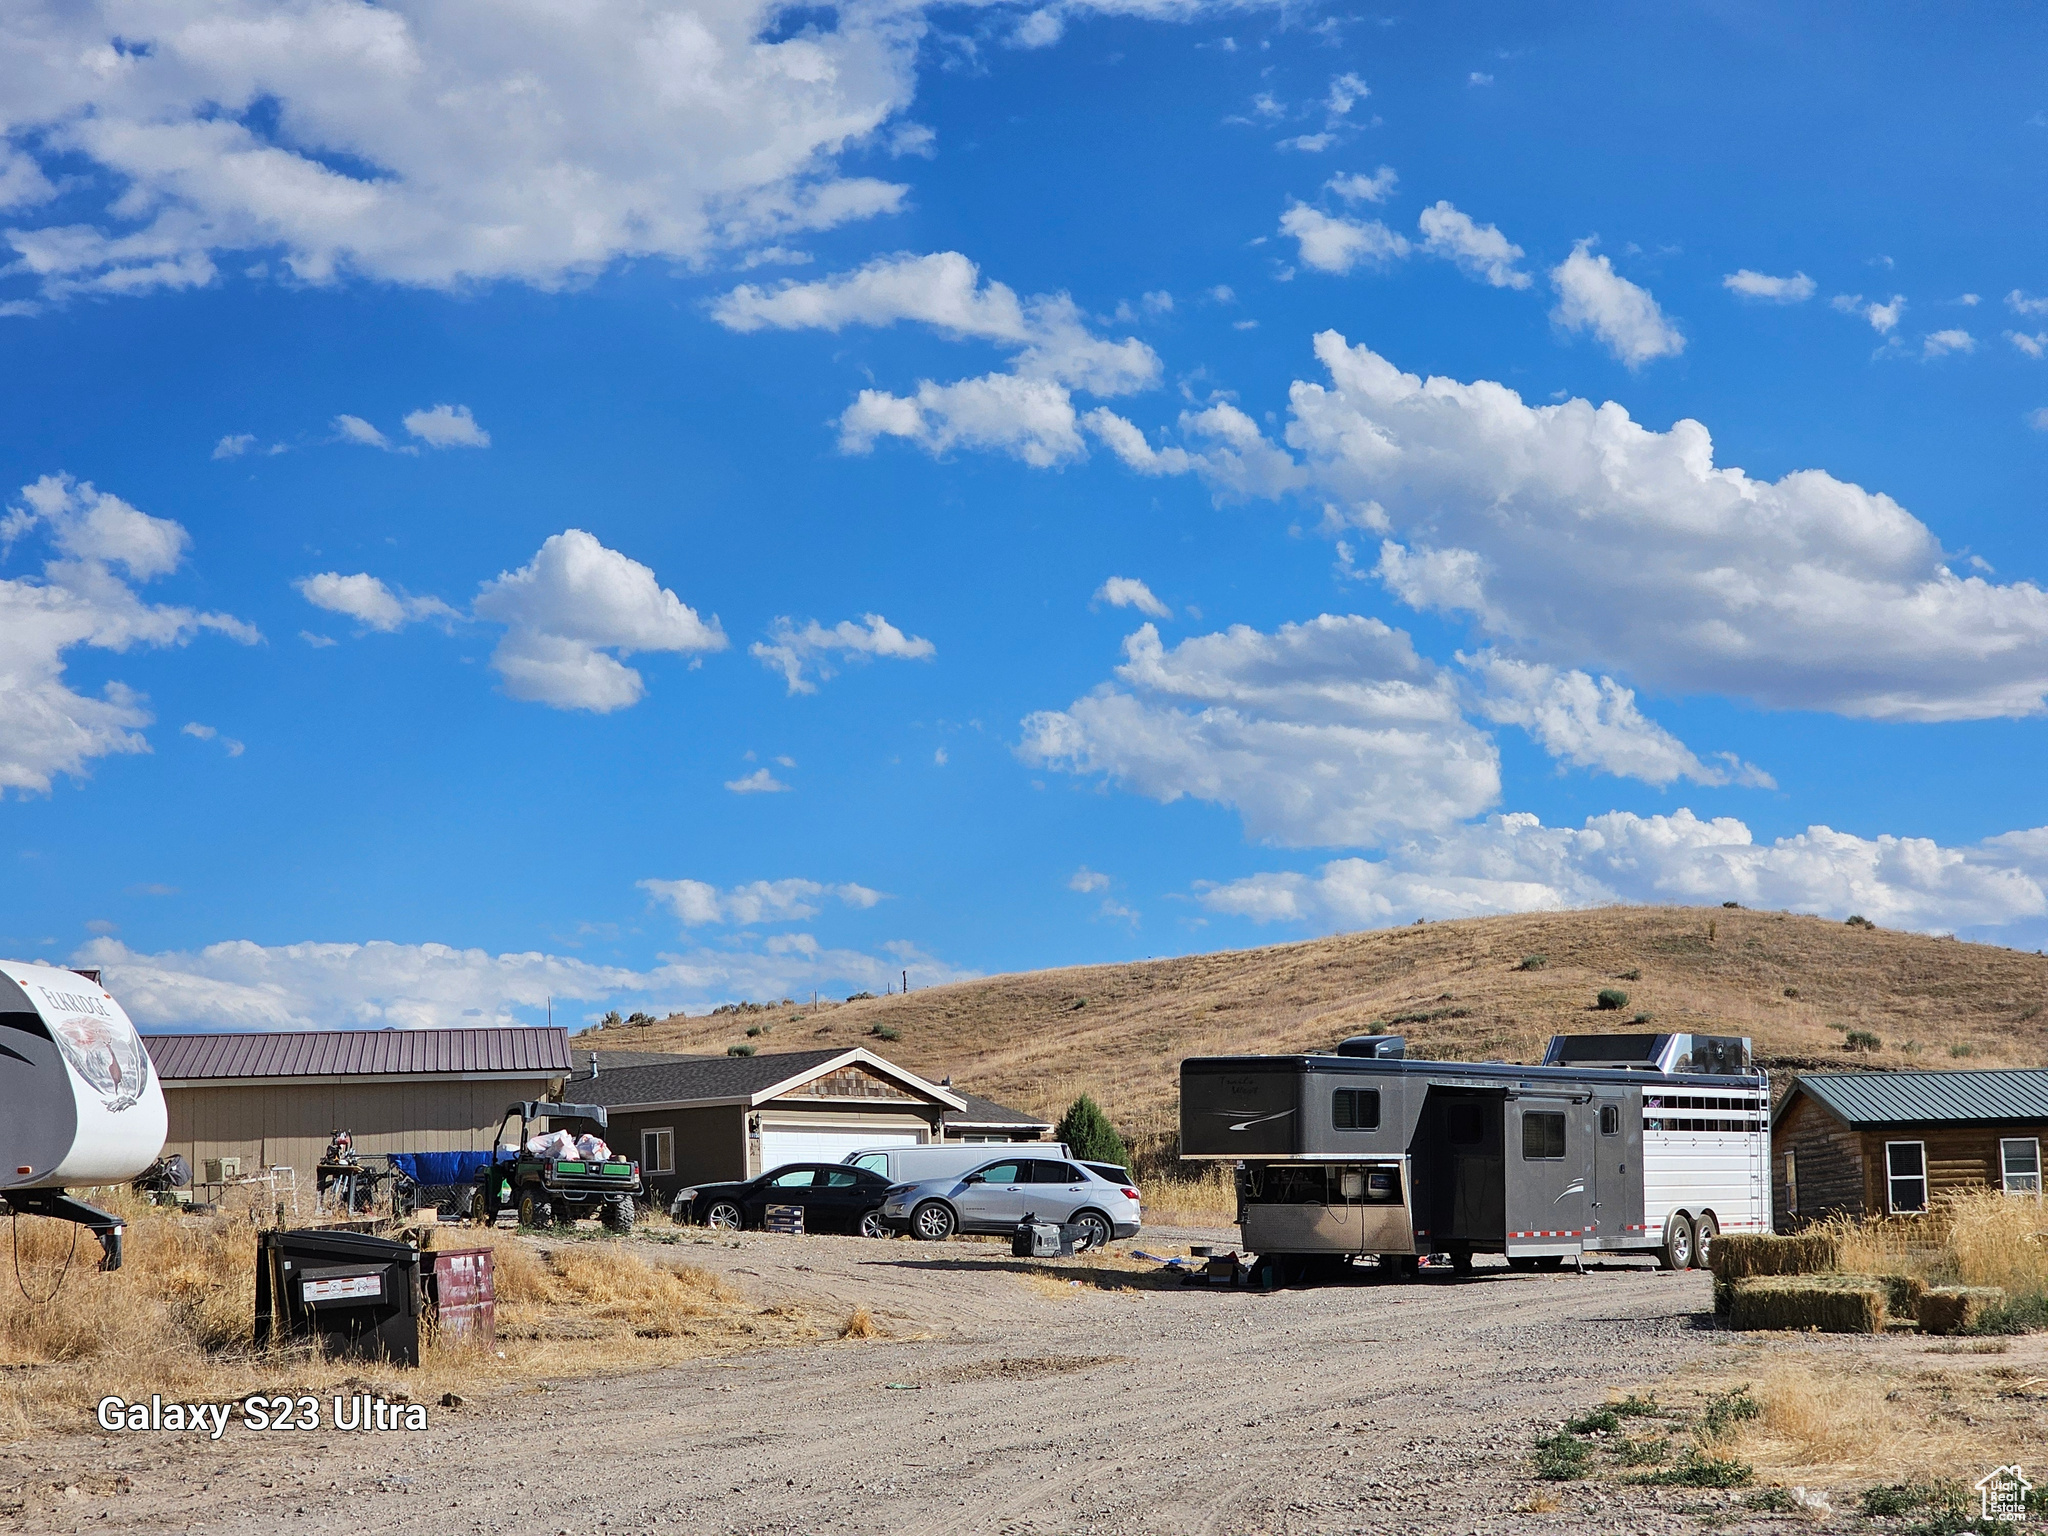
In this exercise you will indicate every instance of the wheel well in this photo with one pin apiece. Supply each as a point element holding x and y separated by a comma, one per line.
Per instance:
<point>1089,1210</point>
<point>937,1200</point>
<point>1710,1216</point>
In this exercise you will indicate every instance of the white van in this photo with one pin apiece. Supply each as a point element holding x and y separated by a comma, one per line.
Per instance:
<point>910,1165</point>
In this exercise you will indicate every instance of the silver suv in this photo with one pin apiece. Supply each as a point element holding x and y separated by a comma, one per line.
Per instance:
<point>1007,1190</point>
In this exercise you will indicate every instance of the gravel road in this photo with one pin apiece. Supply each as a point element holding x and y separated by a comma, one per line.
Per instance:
<point>1000,1401</point>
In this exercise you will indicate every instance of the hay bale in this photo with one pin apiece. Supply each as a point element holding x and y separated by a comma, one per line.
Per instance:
<point>1826,1303</point>
<point>1956,1308</point>
<point>1724,1297</point>
<point>1745,1255</point>
<point>1903,1294</point>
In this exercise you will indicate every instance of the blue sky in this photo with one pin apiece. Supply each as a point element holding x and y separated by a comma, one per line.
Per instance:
<point>711,502</point>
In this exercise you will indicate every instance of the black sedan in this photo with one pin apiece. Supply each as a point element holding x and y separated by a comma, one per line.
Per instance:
<point>834,1198</point>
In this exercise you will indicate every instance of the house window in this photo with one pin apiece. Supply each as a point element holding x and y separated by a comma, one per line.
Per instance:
<point>658,1151</point>
<point>1905,1171</point>
<point>1355,1109</point>
<point>1610,1120</point>
<point>1791,1184</point>
<point>2020,1160</point>
<point>1542,1135</point>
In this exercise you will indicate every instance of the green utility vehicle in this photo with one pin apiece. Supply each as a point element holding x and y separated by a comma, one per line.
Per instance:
<point>554,1190</point>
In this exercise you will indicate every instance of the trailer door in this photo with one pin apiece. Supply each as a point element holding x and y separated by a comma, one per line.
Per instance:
<point>1615,1212</point>
<point>1549,1158</point>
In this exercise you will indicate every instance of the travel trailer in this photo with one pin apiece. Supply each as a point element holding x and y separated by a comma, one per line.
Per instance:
<point>80,1104</point>
<point>1646,1144</point>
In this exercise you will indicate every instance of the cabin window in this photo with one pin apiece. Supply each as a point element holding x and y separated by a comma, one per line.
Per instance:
<point>2021,1164</point>
<point>1463,1124</point>
<point>1905,1170</point>
<point>1610,1120</point>
<point>1791,1184</point>
<point>1355,1109</point>
<point>1542,1135</point>
<point>658,1151</point>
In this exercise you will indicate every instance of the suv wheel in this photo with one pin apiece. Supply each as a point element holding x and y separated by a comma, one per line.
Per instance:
<point>725,1215</point>
<point>872,1225</point>
<point>1095,1231</point>
<point>932,1222</point>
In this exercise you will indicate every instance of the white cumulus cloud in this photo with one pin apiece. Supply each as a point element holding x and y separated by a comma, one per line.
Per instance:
<point>760,782</point>
<point>1129,592</point>
<point>698,904</point>
<point>1796,289</point>
<point>791,649</point>
<point>1942,343</point>
<point>447,426</point>
<point>567,610</point>
<point>1360,188</point>
<point>1591,295</point>
<point>99,549</point>
<point>368,601</point>
<point>1332,732</point>
<point>1479,250</point>
<point>1514,863</point>
<point>1338,245</point>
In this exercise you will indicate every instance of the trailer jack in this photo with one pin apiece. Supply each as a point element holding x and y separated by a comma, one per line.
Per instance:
<point>104,1225</point>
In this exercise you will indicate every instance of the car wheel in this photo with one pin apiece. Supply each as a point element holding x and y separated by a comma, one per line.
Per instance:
<point>872,1225</point>
<point>932,1222</point>
<point>1705,1230</point>
<point>726,1216</point>
<point>535,1210</point>
<point>1095,1231</point>
<point>1677,1250</point>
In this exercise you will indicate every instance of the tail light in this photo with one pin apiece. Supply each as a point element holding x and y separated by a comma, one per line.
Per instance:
<point>1132,1194</point>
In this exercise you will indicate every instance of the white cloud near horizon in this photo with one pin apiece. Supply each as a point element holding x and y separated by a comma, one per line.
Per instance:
<point>1591,295</point>
<point>241,985</point>
<point>1513,863</point>
<point>697,904</point>
<point>1328,733</point>
<point>1027,411</point>
<point>99,551</point>
<point>1796,289</point>
<point>569,609</point>
<point>793,650</point>
<point>1129,592</point>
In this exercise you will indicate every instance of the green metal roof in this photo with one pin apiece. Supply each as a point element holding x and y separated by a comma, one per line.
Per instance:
<point>2017,1096</point>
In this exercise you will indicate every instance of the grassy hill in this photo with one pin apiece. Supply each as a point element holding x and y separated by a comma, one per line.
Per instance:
<point>1473,989</point>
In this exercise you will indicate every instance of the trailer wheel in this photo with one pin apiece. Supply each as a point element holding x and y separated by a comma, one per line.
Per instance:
<point>1705,1230</point>
<point>1677,1250</point>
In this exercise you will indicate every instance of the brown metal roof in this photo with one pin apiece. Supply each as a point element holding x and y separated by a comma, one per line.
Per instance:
<point>358,1052</point>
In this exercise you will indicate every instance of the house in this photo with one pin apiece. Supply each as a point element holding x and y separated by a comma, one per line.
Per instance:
<point>986,1120</point>
<point>693,1119</point>
<point>274,1099</point>
<point>1870,1143</point>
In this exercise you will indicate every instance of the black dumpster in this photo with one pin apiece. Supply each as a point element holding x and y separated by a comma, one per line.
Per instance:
<point>359,1295</point>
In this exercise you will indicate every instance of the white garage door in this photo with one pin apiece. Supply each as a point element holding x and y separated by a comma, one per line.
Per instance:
<point>779,1146</point>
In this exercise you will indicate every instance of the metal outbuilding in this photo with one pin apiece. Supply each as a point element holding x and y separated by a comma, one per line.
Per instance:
<point>274,1099</point>
<point>1886,1143</point>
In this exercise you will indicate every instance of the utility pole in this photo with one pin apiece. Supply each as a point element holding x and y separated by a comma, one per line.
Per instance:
<point>906,983</point>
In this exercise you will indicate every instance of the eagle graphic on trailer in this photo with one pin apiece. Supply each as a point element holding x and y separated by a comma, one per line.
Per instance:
<point>1650,1144</point>
<point>80,1103</point>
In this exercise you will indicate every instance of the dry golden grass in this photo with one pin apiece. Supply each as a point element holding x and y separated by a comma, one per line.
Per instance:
<point>1207,1200</point>
<point>1970,1237</point>
<point>178,1319</point>
<point>1119,1032</point>
<point>860,1324</point>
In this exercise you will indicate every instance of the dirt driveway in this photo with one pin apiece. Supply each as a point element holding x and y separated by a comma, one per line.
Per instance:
<point>1002,1399</point>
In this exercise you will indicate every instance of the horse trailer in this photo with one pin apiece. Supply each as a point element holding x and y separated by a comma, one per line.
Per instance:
<point>1646,1144</point>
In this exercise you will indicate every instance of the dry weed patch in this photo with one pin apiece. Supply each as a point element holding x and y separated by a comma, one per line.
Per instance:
<point>178,1319</point>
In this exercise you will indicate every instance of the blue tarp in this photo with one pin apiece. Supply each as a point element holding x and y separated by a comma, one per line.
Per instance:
<point>441,1167</point>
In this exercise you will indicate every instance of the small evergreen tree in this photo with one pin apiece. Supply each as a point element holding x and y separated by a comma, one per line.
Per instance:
<point>1088,1134</point>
